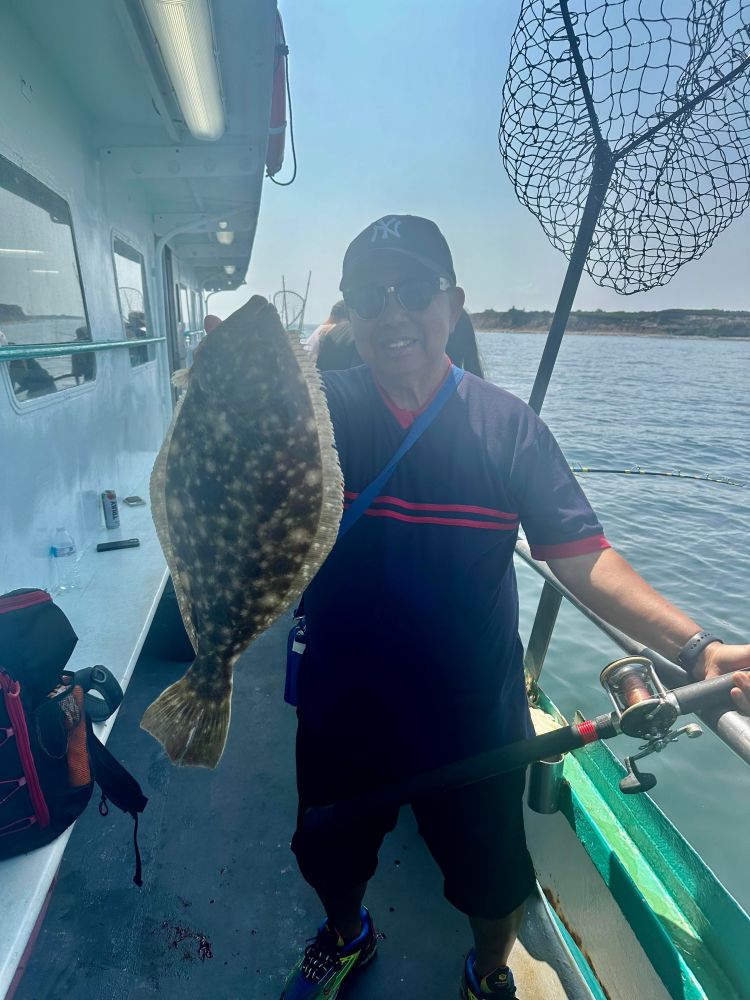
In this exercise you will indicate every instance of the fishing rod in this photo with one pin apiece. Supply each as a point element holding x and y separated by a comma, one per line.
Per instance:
<point>643,709</point>
<point>636,470</point>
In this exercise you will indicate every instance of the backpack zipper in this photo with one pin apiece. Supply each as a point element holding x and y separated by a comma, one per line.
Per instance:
<point>19,601</point>
<point>12,695</point>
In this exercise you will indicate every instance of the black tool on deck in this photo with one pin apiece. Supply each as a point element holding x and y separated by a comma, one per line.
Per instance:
<point>126,543</point>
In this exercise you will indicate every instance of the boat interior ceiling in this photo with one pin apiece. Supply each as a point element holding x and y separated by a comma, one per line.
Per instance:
<point>108,57</point>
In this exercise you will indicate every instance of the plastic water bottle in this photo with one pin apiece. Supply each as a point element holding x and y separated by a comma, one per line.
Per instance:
<point>63,552</point>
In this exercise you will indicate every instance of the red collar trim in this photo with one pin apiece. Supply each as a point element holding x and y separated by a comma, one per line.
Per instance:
<point>407,417</point>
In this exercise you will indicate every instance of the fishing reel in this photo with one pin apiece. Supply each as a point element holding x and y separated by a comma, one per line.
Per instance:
<point>643,709</point>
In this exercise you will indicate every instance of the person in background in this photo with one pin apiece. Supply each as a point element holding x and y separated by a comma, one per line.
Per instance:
<point>413,657</point>
<point>338,350</point>
<point>338,314</point>
<point>462,346</point>
<point>210,323</point>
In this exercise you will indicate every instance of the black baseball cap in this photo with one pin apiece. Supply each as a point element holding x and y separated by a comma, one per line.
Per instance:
<point>393,239</point>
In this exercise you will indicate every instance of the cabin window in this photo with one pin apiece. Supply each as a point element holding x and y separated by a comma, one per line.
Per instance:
<point>197,310</point>
<point>41,297</point>
<point>131,291</point>
<point>184,309</point>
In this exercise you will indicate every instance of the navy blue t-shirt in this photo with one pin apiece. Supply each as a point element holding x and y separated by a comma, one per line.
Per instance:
<point>412,621</point>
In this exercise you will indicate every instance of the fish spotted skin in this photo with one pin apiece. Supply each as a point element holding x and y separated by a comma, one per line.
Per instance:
<point>246,496</point>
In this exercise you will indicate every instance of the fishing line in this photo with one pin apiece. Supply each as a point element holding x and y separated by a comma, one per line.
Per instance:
<point>636,470</point>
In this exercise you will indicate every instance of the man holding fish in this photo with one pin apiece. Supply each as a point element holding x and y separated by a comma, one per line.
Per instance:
<point>413,658</point>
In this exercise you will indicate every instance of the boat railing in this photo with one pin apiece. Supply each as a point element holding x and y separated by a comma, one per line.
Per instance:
<point>27,351</point>
<point>731,727</point>
<point>194,337</point>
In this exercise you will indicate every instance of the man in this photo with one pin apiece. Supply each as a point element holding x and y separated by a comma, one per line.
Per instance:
<point>413,656</point>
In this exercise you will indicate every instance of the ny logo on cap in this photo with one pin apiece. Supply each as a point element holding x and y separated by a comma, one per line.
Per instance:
<point>384,228</point>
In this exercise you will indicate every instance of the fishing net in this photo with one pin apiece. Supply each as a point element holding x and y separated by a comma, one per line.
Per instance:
<point>291,308</point>
<point>648,99</point>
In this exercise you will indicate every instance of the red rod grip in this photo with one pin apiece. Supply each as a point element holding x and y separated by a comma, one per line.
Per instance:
<point>587,731</point>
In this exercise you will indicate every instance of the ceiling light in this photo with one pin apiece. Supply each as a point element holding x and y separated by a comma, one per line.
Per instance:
<point>185,36</point>
<point>226,236</point>
<point>229,268</point>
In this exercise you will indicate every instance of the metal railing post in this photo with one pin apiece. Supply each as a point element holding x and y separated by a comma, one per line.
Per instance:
<point>541,631</point>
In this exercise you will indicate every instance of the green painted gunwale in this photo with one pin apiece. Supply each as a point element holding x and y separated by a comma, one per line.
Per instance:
<point>694,932</point>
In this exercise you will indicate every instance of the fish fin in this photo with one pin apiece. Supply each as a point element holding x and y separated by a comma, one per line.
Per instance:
<point>181,378</point>
<point>192,727</point>
<point>332,500</point>
<point>158,494</point>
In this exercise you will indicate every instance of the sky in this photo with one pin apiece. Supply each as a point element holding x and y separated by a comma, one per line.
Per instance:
<point>396,109</point>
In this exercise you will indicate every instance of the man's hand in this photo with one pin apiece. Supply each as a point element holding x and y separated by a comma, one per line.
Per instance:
<point>609,585</point>
<point>722,659</point>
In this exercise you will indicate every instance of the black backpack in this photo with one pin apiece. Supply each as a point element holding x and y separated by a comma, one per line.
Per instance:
<point>49,754</point>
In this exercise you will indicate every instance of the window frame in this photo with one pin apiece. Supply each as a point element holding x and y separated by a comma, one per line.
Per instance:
<point>117,237</point>
<point>48,186</point>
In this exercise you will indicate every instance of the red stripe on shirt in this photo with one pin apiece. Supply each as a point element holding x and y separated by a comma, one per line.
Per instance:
<point>582,546</point>
<point>454,521</point>
<point>457,507</point>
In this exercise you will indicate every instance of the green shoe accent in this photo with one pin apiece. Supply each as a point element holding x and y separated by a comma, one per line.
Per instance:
<point>326,962</point>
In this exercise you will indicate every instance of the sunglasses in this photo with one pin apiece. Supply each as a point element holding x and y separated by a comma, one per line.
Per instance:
<point>412,294</point>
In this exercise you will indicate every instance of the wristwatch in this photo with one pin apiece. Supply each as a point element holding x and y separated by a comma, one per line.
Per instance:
<point>690,653</point>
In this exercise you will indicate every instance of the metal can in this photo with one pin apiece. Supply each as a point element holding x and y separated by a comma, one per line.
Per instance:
<point>109,505</point>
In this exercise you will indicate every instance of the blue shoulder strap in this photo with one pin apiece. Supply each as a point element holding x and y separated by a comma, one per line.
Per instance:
<point>419,426</point>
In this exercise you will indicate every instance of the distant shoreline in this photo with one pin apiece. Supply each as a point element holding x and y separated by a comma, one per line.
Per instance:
<point>622,333</point>
<point>704,324</point>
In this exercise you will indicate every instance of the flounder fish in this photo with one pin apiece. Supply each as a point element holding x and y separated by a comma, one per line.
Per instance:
<point>246,495</point>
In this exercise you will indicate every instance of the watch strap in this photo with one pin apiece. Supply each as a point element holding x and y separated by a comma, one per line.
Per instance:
<point>690,653</point>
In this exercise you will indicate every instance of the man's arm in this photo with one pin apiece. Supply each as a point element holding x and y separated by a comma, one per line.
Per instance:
<point>609,585</point>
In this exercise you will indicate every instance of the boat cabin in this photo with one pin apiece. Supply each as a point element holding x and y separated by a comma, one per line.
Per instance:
<point>133,148</point>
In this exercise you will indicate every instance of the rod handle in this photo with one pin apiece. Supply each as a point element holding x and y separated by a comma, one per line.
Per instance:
<point>462,772</point>
<point>704,694</point>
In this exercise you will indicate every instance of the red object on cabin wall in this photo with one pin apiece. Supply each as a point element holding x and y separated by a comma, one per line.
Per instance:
<point>277,123</point>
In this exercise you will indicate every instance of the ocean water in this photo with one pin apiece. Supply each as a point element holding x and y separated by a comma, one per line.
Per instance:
<point>664,405</point>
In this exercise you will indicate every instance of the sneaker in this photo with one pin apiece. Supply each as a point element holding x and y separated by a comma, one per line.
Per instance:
<point>497,984</point>
<point>327,961</point>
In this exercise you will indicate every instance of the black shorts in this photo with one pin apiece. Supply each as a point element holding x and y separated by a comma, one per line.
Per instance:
<point>474,833</point>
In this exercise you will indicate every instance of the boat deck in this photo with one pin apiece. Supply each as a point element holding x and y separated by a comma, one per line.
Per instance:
<point>223,911</point>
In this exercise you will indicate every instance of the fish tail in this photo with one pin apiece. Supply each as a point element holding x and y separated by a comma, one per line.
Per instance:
<point>191,719</point>
<point>181,378</point>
